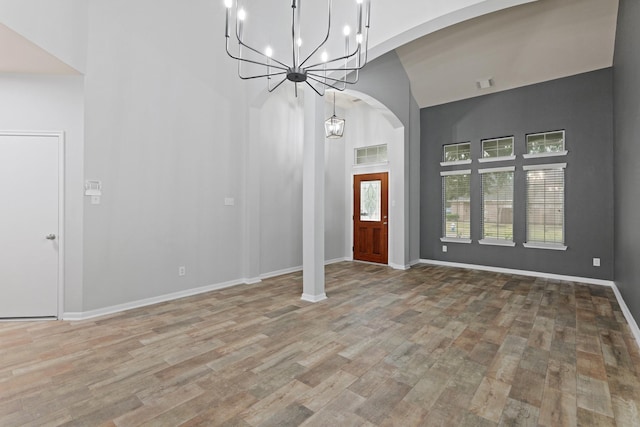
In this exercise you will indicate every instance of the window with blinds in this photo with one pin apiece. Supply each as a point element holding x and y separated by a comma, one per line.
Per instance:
<point>497,206</point>
<point>456,206</point>
<point>545,206</point>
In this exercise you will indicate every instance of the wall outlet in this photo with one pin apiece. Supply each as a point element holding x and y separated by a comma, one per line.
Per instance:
<point>182,271</point>
<point>596,262</point>
<point>444,248</point>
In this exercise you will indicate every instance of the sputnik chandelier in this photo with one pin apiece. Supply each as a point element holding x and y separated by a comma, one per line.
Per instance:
<point>317,69</point>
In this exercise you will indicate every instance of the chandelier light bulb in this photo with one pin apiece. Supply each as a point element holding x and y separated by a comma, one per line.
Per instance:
<point>242,15</point>
<point>346,30</point>
<point>359,1</point>
<point>325,56</point>
<point>268,51</point>
<point>228,3</point>
<point>359,38</point>
<point>299,42</point>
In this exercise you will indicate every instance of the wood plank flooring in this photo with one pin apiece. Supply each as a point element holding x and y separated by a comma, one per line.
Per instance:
<point>432,346</point>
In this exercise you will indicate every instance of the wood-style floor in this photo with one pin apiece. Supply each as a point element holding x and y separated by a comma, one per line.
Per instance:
<point>429,346</point>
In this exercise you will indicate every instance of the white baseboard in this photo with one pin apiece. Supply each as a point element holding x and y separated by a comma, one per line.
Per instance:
<point>399,266</point>
<point>627,314</point>
<point>280,272</point>
<point>297,268</point>
<point>633,325</point>
<point>336,260</point>
<point>313,298</point>
<point>84,315</point>
<point>588,280</point>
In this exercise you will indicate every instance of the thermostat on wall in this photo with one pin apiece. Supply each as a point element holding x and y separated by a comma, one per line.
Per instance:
<point>92,188</point>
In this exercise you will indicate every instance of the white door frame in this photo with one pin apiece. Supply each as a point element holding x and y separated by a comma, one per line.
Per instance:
<point>60,235</point>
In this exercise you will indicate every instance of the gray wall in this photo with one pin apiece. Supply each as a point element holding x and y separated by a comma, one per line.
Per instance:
<point>626,93</point>
<point>582,105</point>
<point>386,80</point>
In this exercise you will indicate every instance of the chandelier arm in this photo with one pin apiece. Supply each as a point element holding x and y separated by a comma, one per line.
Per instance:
<point>366,46</point>
<point>276,86</point>
<point>325,39</point>
<point>261,75</point>
<point>239,58</point>
<point>332,86</point>
<point>349,56</point>
<point>293,35</point>
<point>314,89</point>
<point>333,79</point>
<point>243,44</point>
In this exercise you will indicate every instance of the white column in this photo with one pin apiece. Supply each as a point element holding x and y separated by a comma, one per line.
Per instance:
<point>313,199</point>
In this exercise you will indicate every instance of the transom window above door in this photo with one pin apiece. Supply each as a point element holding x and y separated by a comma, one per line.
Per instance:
<point>371,155</point>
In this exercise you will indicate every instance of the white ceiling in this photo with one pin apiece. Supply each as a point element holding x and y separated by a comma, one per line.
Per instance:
<point>525,44</point>
<point>19,55</point>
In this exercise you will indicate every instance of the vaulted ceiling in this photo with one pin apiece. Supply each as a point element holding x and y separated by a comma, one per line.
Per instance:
<point>20,55</point>
<point>518,46</point>
<point>447,46</point>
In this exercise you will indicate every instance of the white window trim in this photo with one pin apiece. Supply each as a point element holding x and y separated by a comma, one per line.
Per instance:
<point>542,155</point>
<point>496,159</point>
<point>457,162</point>
<point>545,166</point>
<point>551,246</point>
<point>497,242</point>
<point>366,165</point>
<point>504,169</point>
<point>458,172</point>
<point>454,240</point>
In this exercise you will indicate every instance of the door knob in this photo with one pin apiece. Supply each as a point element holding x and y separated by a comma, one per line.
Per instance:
<point>51,237</point>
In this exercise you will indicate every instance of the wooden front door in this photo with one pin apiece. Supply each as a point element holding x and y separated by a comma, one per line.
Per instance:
<point>370,217</point>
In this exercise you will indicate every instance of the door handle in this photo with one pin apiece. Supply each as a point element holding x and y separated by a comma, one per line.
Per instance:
<point>51,237</point>
<point>384,223</point>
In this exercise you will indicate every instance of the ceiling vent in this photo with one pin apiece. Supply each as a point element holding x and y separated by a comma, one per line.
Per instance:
<point>484,83</point>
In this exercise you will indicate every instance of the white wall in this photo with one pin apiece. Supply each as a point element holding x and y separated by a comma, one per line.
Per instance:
<point>54,103</point>
<point>165,129</point>
<point>336,208</point>
<point>280,150</point>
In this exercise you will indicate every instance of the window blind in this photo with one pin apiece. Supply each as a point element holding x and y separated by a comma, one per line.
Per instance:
<point>545,204</point>
<point>456,206</point>
<point>497,203</point>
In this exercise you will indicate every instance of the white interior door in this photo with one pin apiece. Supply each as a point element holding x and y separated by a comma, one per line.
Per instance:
<point>29,240</point>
